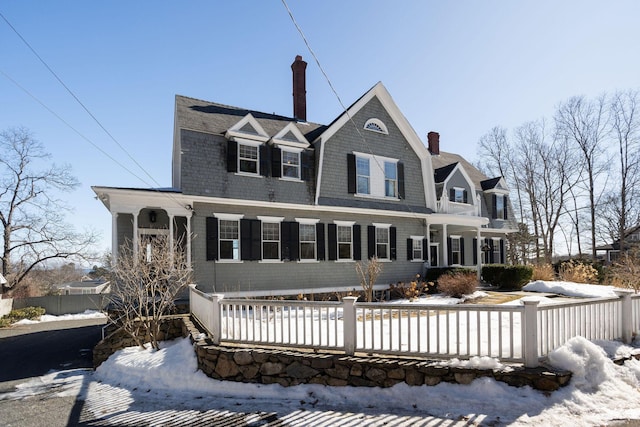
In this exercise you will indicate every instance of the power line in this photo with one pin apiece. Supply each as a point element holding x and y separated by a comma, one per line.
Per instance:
<point>344,108</point>
<point>78,101</point>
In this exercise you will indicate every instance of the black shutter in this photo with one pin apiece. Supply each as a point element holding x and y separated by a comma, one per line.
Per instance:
<point>494,213</point>
<point>401,180</point>
<point>464,196</point>
<point>491,260</point>
<point>245,239</point>
<point>462,251</point>
<point>351,173</point>
<point>425,250</point>
<point>449,250</point>
<point>320,241</point>
<point>290,241</point>
<point>333,242</point>
<point>452,194</point>
<point>475,251</point>
<point>502,254</point>
<point>212,238</point>
<point>409,249</point>
<point>357,243</point>
<point>276,162</point>
<point>392,243</point>
<point>265,160</point>
<point>232,156</point>
<point>506,215</point>
<point>256,239</point>
<point>306,158</point>
<point>371,241</point>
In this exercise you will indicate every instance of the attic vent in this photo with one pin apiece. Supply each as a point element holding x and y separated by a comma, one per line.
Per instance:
<point>376,125</point>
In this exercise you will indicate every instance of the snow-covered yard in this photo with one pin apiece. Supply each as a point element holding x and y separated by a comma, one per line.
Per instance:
<point>166,385</point>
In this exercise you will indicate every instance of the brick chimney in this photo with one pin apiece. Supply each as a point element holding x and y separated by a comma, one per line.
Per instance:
<point>299,89</point>
<point>433,140</point>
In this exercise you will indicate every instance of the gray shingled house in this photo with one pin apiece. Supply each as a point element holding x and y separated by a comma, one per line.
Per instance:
<point>280,205</point>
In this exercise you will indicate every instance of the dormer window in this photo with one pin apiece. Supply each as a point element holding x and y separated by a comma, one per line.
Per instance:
<point>458,195</point>
<point>290,164</point>
<point>376,125</point>
<point>247,158</point>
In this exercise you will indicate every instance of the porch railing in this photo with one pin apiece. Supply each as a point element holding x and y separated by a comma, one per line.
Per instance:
<point>513,333</point>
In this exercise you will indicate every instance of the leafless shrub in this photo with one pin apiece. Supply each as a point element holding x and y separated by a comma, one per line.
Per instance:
<point>577,272</point>
<point>147,284</point>
<point>458,284</point>
<point>543,272</point>
<point>625,272</point>
<point>368,272</point>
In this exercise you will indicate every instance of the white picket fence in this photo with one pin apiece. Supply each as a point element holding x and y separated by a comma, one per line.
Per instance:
<point>512,333</point>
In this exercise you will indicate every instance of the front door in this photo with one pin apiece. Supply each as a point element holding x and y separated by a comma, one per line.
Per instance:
<point>433,255</point>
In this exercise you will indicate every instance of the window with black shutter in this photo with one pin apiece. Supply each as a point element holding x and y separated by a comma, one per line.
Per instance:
<point>212,238</point>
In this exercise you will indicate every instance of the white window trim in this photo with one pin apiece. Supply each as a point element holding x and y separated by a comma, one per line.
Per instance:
<point>459,251</point>
<point>271,220</point>
<point>297,151</point>
<point>313,222</point>
<point>349,224</point>
<point>256,144</point>
<point>228,216</point>
<point>421,240</point>
<point>388,244</point>
<point>377,176</point>
<point>307,220</point>
<point>378,123</point>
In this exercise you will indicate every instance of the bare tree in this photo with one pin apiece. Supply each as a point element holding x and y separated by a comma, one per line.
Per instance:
<point>620,209</point>
<point>148,281</point>
<point>368,272</point>
<point>31,216</point>
<point>585,123</point>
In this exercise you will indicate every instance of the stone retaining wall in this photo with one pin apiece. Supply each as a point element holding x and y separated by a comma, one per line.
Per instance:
<point>293,367</point>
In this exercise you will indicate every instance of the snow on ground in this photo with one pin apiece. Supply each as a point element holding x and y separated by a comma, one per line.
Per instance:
<point>87,314</point>
<point>571,289</point>
<point>141,384</point>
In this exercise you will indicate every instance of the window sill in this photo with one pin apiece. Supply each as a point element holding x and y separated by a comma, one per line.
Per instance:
<point>418,260</point>
<point>230,261</point>
<point>270,261</point>
<point>384,260</point>
<point>247,174</point>
<point>369,196</point>
<point>308,261</point>
<point>282,178</point>
<point>345,260</point>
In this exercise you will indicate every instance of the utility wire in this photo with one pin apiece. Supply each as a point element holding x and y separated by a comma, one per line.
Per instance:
<point>89,113</point>
<point>78,101</point>
<point>344,108</point>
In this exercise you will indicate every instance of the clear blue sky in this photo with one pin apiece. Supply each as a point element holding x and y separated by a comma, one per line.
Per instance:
<point>458,68</point>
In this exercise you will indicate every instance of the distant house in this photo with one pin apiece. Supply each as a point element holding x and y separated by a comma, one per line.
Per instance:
<point>97,286</point>
<point>612,250</point>
<point>266,204</point>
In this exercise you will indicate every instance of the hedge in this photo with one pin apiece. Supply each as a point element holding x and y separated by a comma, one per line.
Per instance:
<point>507,277</point>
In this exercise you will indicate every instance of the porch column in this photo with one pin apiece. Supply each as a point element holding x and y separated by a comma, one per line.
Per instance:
<point>135,234</point>
<point>188,241</point>
<point>445,245</point>
<point>114,237</point>
<point>479,255</point>
<point>428,248</point>
<point>171,237</point>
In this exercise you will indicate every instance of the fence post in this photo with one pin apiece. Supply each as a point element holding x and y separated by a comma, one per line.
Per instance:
<point>626,315</point>
<point>349,321</point>
<point>216,319</point>
<point>530,331</point>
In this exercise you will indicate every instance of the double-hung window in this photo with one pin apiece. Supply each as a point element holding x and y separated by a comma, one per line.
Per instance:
<point>382,242</point>
<point>497,255</point>
<point>307,241</point>
<point>270,240</point>
<point>456,251</point>
<point>390,179</point>
<point>290,164</point>
<point>416,249</point>
<point>500,203</point>
<point>363,175</point>
<point>345,242</point>
<point>248,158</point>
<point>229,239</point>
<point>458,195</point>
